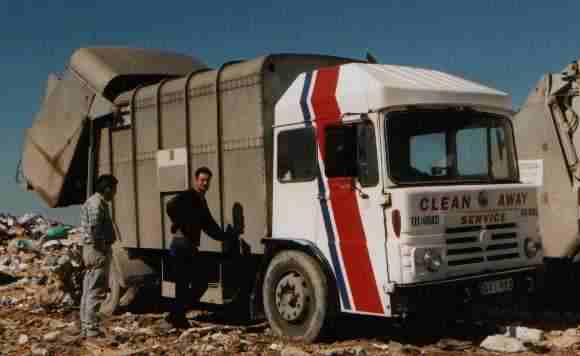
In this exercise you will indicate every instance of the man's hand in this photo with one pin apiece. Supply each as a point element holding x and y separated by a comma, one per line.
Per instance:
<point>231,242</point>
<point>246,248</point>
<point>232,232</point>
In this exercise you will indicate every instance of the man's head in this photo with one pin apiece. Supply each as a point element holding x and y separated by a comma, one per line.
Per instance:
<point>202,179</point>
<point>107,186</point>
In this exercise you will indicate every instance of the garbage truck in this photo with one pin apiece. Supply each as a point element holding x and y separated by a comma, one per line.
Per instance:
<point>546,134</point>
<point>356,187</point>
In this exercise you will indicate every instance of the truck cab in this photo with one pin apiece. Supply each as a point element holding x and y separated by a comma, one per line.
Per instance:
<point>405,182</point>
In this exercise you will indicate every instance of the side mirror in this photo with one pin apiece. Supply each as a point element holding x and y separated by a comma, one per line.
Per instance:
<point>362,138</point>
<point>366,153</point>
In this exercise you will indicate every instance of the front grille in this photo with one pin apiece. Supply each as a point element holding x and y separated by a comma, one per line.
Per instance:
<point>457,230</point>
<point>465,261</point>
<point>465,247</point>
<point>511,235</point>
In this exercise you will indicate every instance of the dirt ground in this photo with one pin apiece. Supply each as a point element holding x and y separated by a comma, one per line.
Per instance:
<point>26,328</point>
<point>39,316</point>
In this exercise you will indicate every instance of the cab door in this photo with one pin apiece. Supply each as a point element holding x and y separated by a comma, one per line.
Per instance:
<point>295,188</point>
<point>355,198</point>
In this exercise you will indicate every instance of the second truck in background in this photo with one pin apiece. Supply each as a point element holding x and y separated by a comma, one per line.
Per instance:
<point>548,140</point>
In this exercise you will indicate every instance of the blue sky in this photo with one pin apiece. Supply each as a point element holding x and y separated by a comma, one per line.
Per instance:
<point>504,44</point>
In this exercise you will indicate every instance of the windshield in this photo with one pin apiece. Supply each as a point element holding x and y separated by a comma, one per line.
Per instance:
<point>449,146</point>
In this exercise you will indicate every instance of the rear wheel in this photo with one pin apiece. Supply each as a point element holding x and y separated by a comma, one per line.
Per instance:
<point>296,296</point>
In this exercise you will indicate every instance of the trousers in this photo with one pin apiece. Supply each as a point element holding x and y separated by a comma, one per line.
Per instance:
<point>190,278</point>
<point>97,260</point>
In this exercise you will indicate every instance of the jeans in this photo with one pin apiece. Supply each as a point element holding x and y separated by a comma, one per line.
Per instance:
<point>97,258</point>
<point>190,279</point>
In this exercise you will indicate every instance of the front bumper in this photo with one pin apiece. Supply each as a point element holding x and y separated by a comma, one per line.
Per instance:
<point>441,295</point>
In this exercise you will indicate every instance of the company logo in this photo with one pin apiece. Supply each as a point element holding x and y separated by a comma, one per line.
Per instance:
<point>482,199</point>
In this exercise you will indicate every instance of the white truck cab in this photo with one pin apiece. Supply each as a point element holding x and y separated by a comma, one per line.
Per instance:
<point>406,182</point>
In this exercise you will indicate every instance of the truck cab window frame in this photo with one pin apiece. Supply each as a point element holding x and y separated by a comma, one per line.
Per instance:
<point>296,155</point>
<point>351,151</point>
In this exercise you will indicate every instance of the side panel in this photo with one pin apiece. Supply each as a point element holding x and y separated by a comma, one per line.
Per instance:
<point>172,134</point>
<point>203,141</point>
<point>243,157</point>
<point>145,126</point>
<point>536,139</point>
<point>124,208</point>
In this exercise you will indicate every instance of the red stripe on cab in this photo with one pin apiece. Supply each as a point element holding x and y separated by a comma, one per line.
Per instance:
<point>350,232</point>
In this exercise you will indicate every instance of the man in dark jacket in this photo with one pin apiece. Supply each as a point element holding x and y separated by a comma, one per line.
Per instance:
<point>190,215</point>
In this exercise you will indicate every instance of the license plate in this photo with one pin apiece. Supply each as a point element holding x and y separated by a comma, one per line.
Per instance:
<point>496,286</point>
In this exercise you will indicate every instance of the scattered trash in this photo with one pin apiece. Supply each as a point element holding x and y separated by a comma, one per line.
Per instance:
<point>565,341</point>
<point>502,343</point>
<point>57,232</point>
<point>22,339</point>
<point>525,334</point>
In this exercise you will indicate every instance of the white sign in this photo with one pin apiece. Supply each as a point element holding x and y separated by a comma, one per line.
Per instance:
<point>532,172</point>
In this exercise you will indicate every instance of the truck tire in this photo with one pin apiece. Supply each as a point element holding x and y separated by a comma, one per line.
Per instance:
<point>296,296</point>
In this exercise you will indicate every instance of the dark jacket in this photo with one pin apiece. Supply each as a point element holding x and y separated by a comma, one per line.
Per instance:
<point>190,214</point>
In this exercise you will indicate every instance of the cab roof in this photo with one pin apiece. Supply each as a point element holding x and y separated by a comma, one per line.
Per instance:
<point>362,87</point>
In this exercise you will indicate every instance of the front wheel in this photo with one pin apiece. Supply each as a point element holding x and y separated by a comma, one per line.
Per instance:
<point>296,296</point>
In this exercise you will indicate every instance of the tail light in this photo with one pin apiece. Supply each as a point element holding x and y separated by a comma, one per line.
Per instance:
<point>396,220</point>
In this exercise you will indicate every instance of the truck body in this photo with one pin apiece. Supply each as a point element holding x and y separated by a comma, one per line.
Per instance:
<point>547,138</point>
<point>357,187</point>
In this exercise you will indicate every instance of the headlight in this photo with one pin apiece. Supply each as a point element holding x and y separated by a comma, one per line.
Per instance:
<point>432,259</point>
<point>532,247</point>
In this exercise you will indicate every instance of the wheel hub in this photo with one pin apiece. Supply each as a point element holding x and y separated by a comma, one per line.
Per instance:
<point>292,296</point>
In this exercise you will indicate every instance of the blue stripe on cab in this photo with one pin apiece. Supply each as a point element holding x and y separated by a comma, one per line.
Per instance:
<point>323,203</point>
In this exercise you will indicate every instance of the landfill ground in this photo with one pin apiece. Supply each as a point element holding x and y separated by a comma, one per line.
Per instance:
<point>39,293</point>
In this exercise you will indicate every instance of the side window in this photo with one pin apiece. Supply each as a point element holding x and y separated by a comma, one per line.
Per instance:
<point>350,151</point>
<point>340,151</point>
<point>296,155</point>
